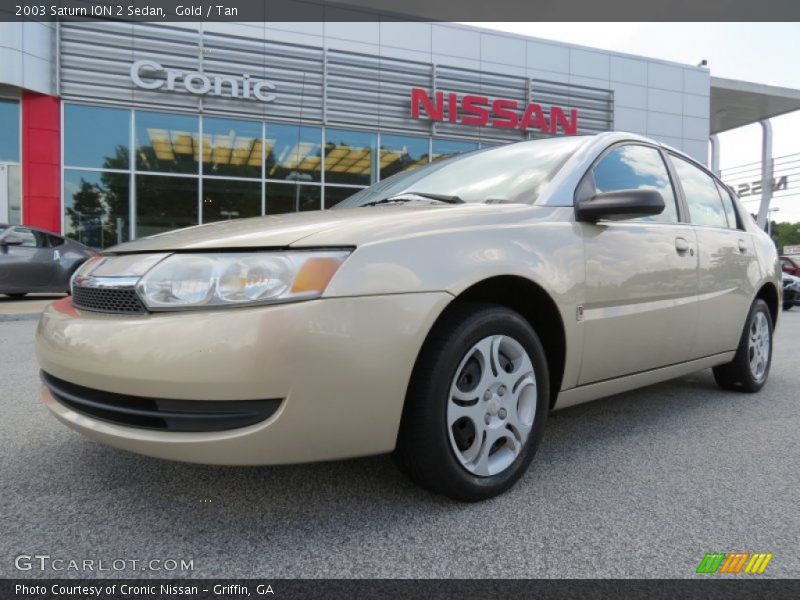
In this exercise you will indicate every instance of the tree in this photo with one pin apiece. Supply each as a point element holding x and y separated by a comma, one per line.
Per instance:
<point>98,212</point>
<point>86,213</point>
<point>785,234</point>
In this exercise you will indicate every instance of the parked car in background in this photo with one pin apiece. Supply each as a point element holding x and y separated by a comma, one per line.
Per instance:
<point>790,265</point>
<point>441,313</point>
<point>791,291</point>
<point>35,260</point>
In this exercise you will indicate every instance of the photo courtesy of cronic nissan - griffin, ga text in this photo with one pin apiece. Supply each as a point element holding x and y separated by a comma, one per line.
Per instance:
<point>439,314</point>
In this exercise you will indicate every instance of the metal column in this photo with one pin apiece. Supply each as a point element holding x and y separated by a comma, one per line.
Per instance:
<point>766,173</point>
<point>714,140</point>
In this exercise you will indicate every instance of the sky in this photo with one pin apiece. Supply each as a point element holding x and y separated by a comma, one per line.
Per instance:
<point>766,53</point>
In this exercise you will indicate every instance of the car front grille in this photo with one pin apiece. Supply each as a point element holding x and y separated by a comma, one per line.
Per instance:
<point>123,300</point>
<point>159,413</point>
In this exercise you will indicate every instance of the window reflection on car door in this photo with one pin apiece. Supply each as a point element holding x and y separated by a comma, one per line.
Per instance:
<point>726,260</point>
<point>640,307</point>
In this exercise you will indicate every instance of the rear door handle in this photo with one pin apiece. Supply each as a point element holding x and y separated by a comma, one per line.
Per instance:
<point>681,245</point>
<point>742,246</point>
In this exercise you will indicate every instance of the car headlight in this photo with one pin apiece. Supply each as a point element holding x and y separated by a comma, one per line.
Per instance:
<point>187,281</point>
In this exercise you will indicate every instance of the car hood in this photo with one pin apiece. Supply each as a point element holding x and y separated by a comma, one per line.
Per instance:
<point>344,227</point>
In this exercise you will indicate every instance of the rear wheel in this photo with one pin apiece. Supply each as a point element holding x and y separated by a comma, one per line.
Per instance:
<point>749,369</point>
<point>476,404</point>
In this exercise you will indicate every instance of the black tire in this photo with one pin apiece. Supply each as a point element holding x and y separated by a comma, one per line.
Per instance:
<point>17,296</point>
<point>424,451</point>
<point>737,374</point>
<point>788,305</point>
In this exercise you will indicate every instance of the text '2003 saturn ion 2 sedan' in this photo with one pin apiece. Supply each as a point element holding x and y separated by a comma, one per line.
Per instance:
<point>440,314</point>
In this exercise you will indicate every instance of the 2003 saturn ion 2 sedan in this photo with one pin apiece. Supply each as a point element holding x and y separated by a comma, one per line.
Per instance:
<point>440,314</point>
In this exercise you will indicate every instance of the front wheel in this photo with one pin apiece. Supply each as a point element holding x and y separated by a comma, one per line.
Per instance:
<point>476,405</point>
<point>748,370</point>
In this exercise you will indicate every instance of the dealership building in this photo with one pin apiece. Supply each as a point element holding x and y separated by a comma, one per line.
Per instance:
<point>111,131</point>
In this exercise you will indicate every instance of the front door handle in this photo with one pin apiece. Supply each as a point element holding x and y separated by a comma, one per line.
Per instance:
<point>681,245</point>
<point>742,246</point>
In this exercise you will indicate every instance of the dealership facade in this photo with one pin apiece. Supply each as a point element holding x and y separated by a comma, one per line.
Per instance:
<point>113,131</point>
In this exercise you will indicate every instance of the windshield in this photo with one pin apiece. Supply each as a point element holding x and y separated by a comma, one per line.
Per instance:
<point>515,173</point>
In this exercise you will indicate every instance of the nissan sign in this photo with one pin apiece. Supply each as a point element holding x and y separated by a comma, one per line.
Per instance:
<point>150,75</point>
<point>754,188</point>
<point>502,113</point>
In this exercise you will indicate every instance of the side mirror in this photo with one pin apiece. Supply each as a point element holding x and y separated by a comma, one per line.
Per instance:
<point>623,204</point>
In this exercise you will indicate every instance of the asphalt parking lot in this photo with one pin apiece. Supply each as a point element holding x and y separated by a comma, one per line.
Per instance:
<point>638,485</point>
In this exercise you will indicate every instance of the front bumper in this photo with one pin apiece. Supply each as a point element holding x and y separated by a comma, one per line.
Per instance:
<point>340,366</point>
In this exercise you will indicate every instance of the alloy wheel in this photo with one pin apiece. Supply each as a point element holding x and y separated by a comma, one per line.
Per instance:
<point>758,347</point>
<point>492,404</point>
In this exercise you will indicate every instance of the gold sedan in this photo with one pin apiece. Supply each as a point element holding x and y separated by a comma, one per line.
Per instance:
<point>440,314</point>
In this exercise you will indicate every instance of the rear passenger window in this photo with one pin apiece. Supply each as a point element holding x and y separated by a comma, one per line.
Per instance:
<point>634,167</point>
<point>705,204</point>
<point>727,206</point>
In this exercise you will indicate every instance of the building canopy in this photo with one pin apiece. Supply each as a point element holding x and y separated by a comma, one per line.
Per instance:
<point>737,103</point>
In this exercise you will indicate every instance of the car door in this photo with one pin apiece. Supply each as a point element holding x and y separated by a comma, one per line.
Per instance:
<point>27,266</point>
<point>727,259</point>
<point>640,306</point>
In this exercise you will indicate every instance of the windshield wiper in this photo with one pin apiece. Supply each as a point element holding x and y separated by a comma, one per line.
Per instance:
<point>404,197</point>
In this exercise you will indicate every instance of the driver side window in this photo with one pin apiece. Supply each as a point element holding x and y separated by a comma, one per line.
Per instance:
<point>632,167</point>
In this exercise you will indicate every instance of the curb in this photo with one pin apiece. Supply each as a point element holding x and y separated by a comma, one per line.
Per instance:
<point>20,317</point>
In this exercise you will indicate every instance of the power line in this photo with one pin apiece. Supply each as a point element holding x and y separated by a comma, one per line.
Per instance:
<point>752,170</point>
<point>758,162</point>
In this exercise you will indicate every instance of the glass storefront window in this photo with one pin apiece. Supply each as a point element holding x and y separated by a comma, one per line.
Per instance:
<point>293,152</point>
<point>444,148</point>
<point>97,137</point>
<point>9,126</point>
<point>166,142</point>
<point>334,195</point>
<point>231,148</point>
<point>401,153</point>
<point>349,156</point>
<point>226,199</point>
<point>96,207</point>
<point>287,197</point>
<point>165,203</point>
<point>234,156</point>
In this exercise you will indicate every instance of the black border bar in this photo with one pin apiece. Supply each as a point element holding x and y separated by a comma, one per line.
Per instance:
<point>705,587</point>
<point>411,10</point>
